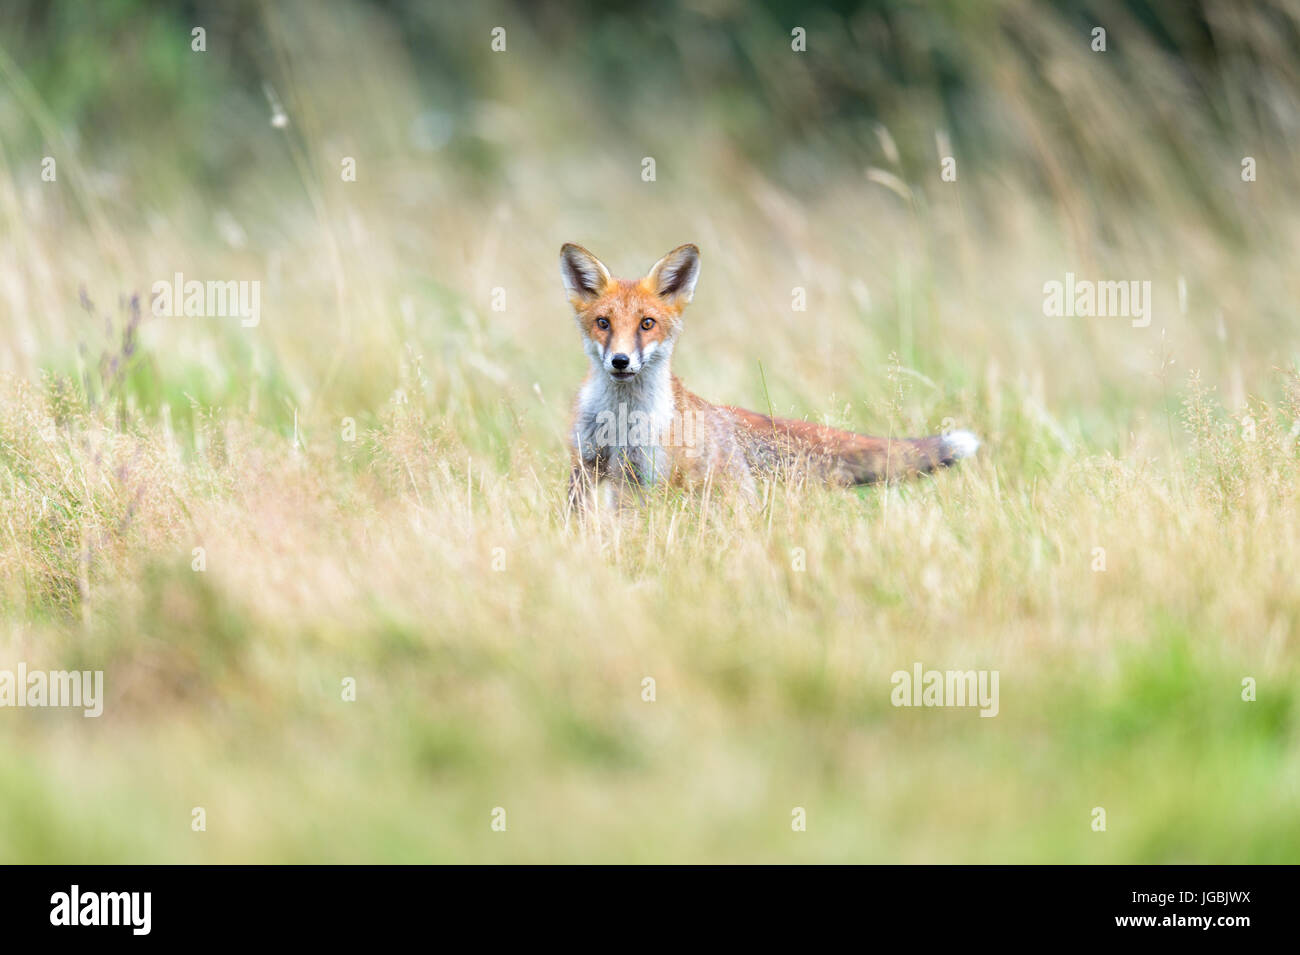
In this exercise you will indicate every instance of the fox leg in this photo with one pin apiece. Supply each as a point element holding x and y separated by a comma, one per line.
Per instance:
<point>583,483</point>
<point>597,486</point>
<point>727,474</point>
<point>742,479</point>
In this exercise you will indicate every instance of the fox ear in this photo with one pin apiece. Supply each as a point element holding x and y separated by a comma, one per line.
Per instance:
<point>585,276</point>
<point>674,276</point>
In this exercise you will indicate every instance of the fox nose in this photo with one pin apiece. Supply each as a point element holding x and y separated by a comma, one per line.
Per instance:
<point>620,361</point>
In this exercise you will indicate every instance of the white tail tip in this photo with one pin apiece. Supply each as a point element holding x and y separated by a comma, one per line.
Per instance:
<point>960,444</point>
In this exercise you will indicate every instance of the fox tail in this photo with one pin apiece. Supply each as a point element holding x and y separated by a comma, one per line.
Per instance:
<point>844,457</point>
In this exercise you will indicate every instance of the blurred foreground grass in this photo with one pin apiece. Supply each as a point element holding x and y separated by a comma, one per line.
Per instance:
<point>498,651</point>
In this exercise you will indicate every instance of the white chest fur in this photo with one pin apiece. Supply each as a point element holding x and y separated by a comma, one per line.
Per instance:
<point>622,423</point>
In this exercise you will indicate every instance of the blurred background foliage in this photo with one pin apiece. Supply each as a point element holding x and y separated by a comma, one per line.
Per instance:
<point>1009,80</point>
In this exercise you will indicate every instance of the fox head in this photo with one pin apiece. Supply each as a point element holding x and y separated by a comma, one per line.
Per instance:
<point>627,325</point>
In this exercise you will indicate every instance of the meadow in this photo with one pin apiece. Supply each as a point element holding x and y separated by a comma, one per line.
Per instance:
<point>324,560</point>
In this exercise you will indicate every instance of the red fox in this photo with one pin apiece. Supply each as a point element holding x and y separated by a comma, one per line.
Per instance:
<point>635,425</point>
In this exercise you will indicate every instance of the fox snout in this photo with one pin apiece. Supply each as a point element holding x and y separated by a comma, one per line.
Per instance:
<point>621,360</point>
<point>623,357</point>
<point>621,365</point>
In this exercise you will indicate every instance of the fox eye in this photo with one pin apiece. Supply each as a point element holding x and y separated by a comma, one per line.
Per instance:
<point>602,322</point>
<point>647,323</point>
